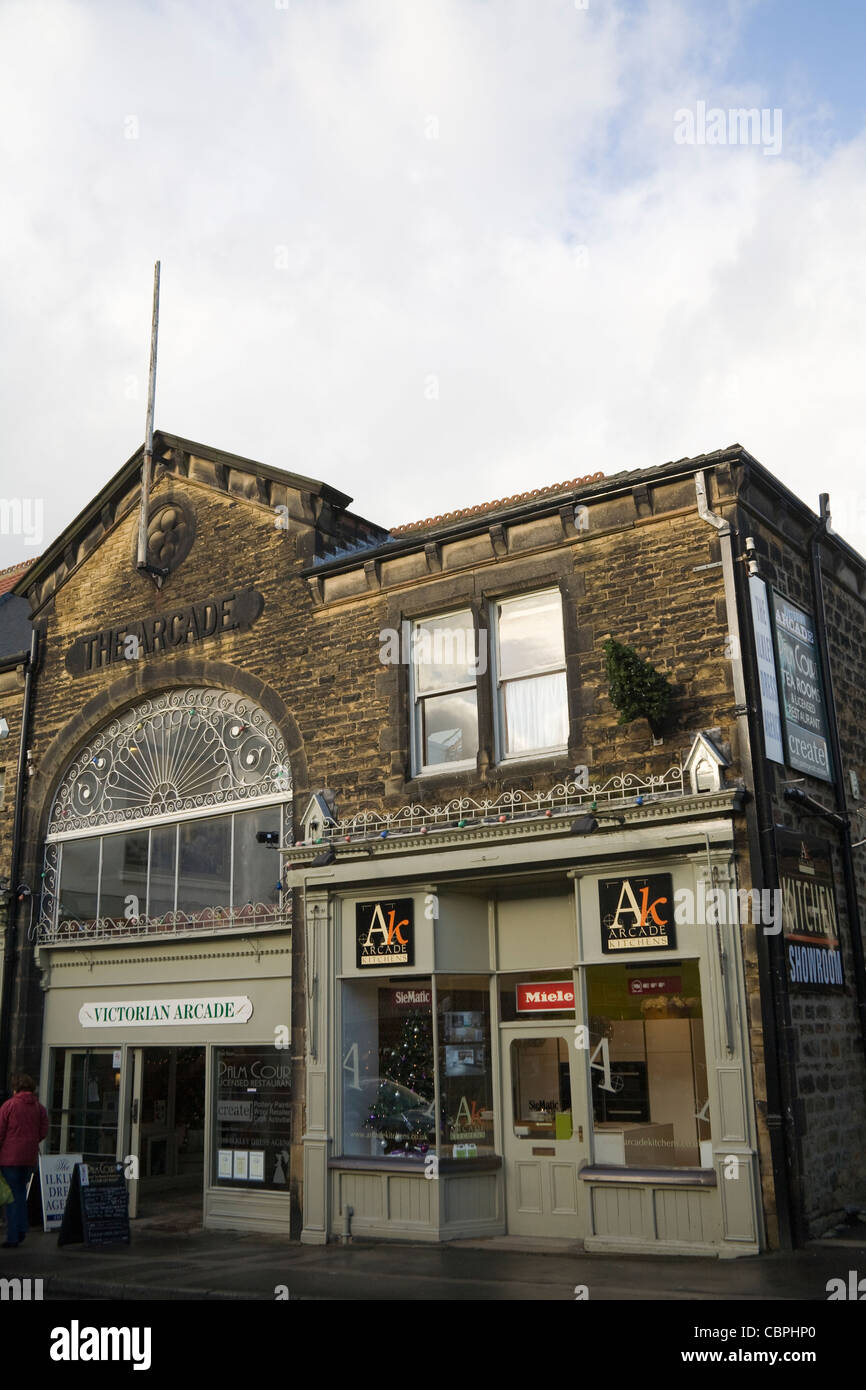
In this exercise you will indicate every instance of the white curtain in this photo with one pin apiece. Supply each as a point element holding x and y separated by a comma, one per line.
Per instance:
<point>536,714</point>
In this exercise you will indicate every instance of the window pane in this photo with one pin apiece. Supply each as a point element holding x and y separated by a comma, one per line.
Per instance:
<point>536,714</point>
<point>387,1068</point>
<point>88,1125</point>
<point>257,867</point>
<point>450,727</point>
<point>444,652</point>
<point>163,856</point>
<point>530,634</point>
<point>79,880</point>
<point>124,875</point>
<point>465,1075</point>
<point>205,862</point>
<point>253,1127</point>
<point>650,1078</point>
<point>541,1088</point>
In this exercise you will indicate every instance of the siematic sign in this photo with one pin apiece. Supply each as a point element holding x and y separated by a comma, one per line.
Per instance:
<point>172,630</point>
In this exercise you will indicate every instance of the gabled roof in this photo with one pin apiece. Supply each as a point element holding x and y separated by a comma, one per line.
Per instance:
<point>119,490</point>
<point>10,577</point>
<point>483,507</point>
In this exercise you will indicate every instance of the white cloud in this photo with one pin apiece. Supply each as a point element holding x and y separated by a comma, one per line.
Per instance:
<point>354,198</point>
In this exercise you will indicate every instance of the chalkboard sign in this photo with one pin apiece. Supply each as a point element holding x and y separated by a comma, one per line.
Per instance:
<point>97,1207</point>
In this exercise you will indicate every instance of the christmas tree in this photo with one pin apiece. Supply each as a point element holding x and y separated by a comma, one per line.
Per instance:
<point>405,1067</point>
<point>636,688</point>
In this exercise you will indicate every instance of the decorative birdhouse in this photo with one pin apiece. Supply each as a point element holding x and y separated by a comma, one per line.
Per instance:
<point>320,816</point>
<point>705,765</point>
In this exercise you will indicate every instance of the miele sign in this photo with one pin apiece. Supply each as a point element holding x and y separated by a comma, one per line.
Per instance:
<point>553,997</point>
<point>143,1013</point>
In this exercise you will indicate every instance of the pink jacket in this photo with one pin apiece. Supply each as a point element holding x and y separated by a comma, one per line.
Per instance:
<point>23,1125</point>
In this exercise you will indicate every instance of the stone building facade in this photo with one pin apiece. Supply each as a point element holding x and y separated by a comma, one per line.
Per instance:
<point>252,739</point>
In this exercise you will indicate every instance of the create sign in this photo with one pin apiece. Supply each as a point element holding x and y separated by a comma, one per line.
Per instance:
<point>141,1013</point>
<point>172,630</point>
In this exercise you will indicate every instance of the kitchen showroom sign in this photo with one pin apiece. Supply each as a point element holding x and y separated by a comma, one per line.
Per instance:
<point>141,1013</point>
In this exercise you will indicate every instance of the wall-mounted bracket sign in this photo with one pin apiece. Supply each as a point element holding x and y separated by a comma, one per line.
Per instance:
<point>809,922</point>
<point>173,630</point>
<point>637,913</point>
<point>148,1013</point>
<point>385,933</point>
<point>807,745</point>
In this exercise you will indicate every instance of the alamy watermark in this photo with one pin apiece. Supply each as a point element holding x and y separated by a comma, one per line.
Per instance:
<point>736,126</point>
<point>721,907</point>
<point>23,516</point>
<point>459,647</point>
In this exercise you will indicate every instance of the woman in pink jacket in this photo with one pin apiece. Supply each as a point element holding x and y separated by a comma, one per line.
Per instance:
<point>23,1126</point>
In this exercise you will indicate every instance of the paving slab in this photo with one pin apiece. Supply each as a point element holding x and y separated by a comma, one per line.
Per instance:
<point>228,1265</point>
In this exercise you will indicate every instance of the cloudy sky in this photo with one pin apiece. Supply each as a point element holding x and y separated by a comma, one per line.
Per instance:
<point>432,253</point>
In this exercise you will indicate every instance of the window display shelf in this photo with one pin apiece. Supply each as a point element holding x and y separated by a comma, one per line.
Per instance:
<point>667,1177</point>
<point>486,1163</point>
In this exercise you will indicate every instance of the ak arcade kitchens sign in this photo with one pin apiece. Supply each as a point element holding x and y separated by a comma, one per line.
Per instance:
<point>809,921</point>
<point>637,913</point>
<point>385,933</point>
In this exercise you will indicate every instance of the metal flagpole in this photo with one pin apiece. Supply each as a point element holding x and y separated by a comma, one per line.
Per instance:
<point>147,465</point>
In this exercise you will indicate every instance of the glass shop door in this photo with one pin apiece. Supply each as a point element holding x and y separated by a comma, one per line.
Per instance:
<point>166,1129</point>
<point>543,1140</point>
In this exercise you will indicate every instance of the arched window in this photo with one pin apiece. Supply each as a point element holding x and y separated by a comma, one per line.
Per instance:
<point>159,824</point>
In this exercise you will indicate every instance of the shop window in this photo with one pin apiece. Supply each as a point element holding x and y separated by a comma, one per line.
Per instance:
<point>465,1072</point>
<point>530,995</point>
<point>253,1132</point>
<point>204,864</point>
<point>388,1068</point>
<point>123,880</point>
<point>83,1101</point>
<point>648,1066</point>
<point>531,696</point>
<point>444,698</point>
<point>79,881</point>
<point>256,867</point>
<point>188,867</point>
<point>163,870</point>
<point>541,1081</point>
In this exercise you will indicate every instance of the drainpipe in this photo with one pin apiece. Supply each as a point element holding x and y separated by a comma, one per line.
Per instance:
<point>778,1054</point>
<point>10,953</point>
<point>841,821</point>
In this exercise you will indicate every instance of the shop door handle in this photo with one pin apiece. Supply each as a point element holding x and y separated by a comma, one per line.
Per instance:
<point>134,1113</point>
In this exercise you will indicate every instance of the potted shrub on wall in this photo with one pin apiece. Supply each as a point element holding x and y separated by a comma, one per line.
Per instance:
<point>636,688</point>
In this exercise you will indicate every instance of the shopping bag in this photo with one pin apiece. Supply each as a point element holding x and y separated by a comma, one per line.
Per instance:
<point>5,1192</point>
